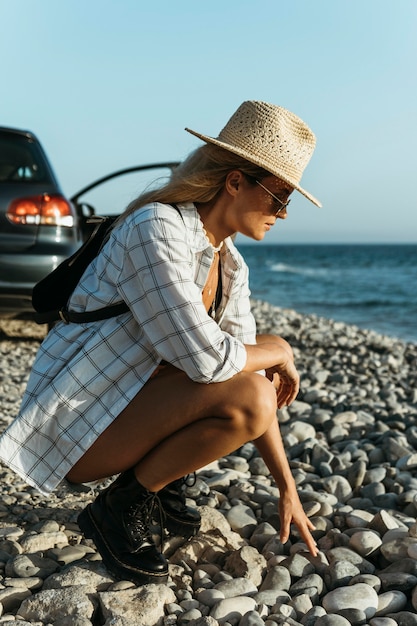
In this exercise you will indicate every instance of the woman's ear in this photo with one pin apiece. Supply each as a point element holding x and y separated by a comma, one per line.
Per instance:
<point>233,181</point>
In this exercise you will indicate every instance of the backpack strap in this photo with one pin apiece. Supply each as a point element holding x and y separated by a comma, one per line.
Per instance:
<point>92,316</point>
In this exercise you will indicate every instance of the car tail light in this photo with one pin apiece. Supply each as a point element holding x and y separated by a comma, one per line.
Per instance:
<point>46,209</point>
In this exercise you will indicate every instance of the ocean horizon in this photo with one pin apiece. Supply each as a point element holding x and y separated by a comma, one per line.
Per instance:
<point>372,286</point>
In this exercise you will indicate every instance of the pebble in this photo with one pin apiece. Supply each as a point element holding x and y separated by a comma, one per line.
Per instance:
<point>391,602</point>
<point>232,608</point>
<point>365,542</point>
<point>351,439</point>
<point>382,621</point>
<point>332,620</point>
<point>359,596</point>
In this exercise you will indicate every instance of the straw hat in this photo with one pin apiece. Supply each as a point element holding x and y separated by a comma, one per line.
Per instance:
<point>271,137</point>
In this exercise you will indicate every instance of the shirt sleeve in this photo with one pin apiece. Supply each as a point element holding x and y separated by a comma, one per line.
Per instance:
<point>157,280</point>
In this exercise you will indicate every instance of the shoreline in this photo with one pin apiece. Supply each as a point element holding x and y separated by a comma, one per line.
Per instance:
<point>351,438</point>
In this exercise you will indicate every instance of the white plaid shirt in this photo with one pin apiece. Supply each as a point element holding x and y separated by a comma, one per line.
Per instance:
<point>84,375</point>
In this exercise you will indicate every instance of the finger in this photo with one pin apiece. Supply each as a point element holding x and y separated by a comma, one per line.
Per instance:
<point>310,542</point>
<point>287,394</point>
<point>284,533</point>
<point>311,545</point>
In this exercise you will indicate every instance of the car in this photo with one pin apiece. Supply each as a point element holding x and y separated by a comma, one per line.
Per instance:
<point>39,226</point>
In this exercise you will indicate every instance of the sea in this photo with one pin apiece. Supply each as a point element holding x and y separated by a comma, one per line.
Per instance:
<point>372,286</point>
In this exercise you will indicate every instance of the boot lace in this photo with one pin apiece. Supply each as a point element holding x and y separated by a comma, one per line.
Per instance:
<point>139,519</point>
<point>190,479</point>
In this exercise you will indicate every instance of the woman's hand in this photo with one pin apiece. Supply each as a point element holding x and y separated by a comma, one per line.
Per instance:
<point>286,381</point>
<point>274,355</point>
<point>291,511</point>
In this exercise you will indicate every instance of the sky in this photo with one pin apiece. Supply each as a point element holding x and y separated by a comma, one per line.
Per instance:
<point>109,84</point>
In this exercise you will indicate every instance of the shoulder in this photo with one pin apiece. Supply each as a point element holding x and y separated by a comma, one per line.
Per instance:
<point>164,221</point>
<point>153,213</point>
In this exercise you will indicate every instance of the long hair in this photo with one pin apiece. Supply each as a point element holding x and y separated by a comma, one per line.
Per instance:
<point>199,178</point>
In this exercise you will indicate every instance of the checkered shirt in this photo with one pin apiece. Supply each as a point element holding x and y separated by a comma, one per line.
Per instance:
<point>84,375</point>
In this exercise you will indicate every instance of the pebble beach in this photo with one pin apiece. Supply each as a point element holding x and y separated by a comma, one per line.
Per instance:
<point>351,440</point>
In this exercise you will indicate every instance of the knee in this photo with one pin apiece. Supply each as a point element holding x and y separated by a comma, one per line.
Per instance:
<point>256,405</point>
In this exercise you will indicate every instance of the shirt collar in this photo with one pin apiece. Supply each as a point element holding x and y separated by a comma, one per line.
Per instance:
<point>197,238</point>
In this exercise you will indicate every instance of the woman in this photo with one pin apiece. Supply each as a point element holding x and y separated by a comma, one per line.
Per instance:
<point>181,379</point>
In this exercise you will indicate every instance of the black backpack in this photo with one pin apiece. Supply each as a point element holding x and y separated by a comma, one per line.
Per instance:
<point>51,294</point>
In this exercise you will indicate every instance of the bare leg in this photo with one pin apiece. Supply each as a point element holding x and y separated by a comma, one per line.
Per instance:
<point>175,426</point>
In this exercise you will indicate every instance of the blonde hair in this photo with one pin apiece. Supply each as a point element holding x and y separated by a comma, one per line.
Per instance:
<point>197,179</point>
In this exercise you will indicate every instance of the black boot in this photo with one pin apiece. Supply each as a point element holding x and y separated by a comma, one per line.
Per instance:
<point>179,519</point>
<point>118,522</point>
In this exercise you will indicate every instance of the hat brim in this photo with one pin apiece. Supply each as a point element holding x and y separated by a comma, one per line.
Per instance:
<point>245,155</point>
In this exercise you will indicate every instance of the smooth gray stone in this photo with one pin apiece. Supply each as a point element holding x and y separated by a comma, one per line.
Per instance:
<point>375,474</point>
<point>332,620</point>
<point>359,596</point>
<point>354,616</point>
<point>365,542</point>
<point>210,597</point>
<point>189,617</point>
<point>397,549</point>
<point>252,618</point>
<point>340,573</point>
<point>391,602</point>
<point>368,579</point>
<point>356,474</point>
<point>339,486</point>
<point>29,565</point>
<point>397,580</point>
<point>404,618</point>
<point>270,597</point>
<point>12,597</point>
<point>258,467</point>
<point>342,553</point>
<point>372,490</point>
<point>232,608</point>
<point>277,578</point>
<point>382,621</point>
<point>236,587</point>
<point>242,520</point>
<point>262,534</point>
<point>298,566</point>
<point>386,500</point>
<point>307,582</point>
<point>312,615</point>
<point>406,566</point>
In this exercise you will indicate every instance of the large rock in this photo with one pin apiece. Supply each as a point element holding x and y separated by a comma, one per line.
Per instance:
<point>141,606</point>
<point>52,604</point>
<point>246,563</point>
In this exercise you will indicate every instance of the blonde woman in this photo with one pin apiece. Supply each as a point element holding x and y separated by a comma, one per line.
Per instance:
<point>182,378</point>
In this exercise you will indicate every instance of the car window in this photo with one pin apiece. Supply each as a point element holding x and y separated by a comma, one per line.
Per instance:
<point>21,160</point>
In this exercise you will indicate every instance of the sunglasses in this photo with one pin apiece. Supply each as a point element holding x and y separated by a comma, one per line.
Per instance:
<point>277,202</point>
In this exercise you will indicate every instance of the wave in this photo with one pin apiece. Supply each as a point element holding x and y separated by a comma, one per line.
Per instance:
<point>293,269</point>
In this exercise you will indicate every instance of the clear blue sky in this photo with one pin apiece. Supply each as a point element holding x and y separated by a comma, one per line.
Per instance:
<point>109,84</point>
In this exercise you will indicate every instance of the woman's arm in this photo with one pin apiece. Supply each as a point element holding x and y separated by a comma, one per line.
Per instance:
<point>284,377</point>
<point>272,451</point>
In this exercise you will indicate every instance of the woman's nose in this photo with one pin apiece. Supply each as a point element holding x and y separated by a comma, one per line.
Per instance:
<point>282,215</point>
